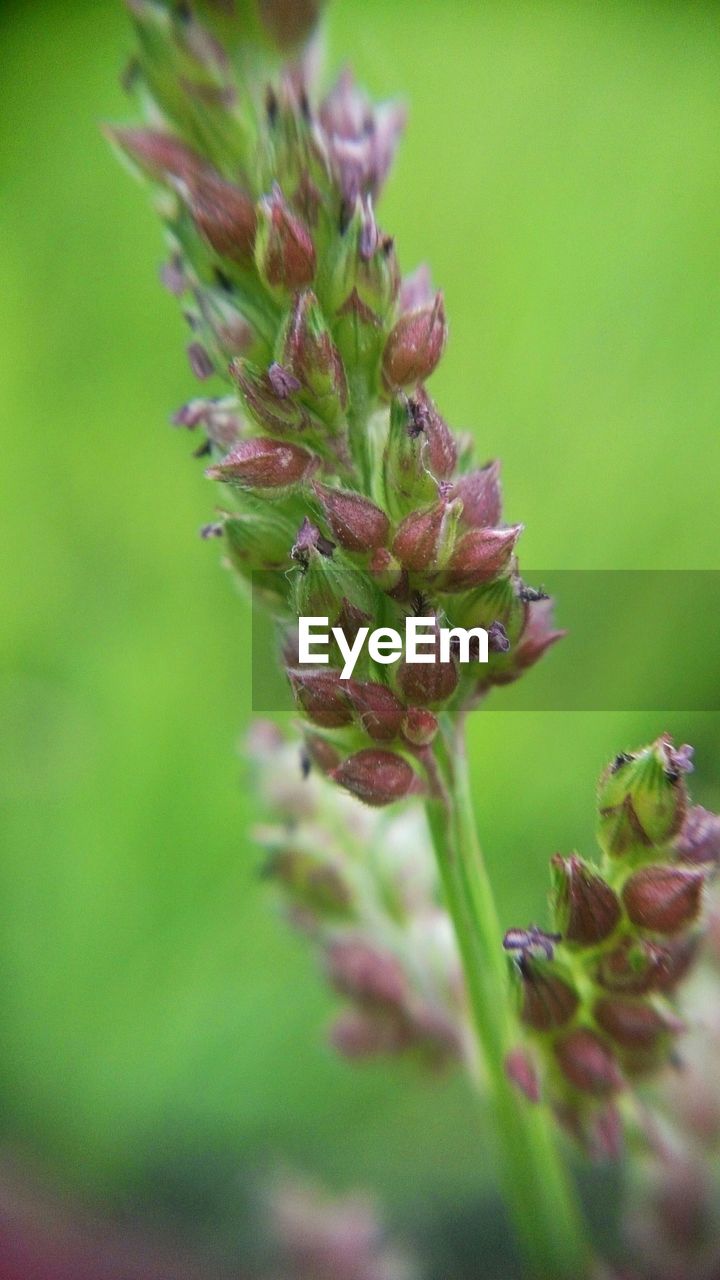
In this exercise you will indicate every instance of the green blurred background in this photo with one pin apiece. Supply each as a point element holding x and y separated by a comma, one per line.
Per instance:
<point>162,1032</point>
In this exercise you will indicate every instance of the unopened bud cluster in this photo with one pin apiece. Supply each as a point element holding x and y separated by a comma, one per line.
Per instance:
<point>597,993</point>
<point>343,487</point>
<point>361,886</point>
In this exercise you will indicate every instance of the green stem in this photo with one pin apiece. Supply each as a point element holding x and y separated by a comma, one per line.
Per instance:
<point>539,1194</point>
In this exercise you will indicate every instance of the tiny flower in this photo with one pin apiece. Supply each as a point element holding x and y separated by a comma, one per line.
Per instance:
<point>530,942</point>
<point>587,1063</point>
<point>520,1068</point>
<point>264,464</point>
<point>223,214</point>
<point>321,694</point>
<point>698,840</point>
<point>269,396</point>
<point>664,899</point>
<point>320,753</point>
<point>354,520</point>
<point>642,797</point>
<point>284,250</point>
<point>548,1001</point>
<point>419,726</point>
<point>481,496</point>
<point>425,538</point>
<point>424,684</point>
<point>310,353</point>
<point>633,1024</point>
<point>161,155</point>
<point>415,345</point>
<point>440,452</point>
<point>361,139</point>
<point>416,290</point>
<point>587,910</point>
<point>480,555</point>
<point>380,712</point>
<point>635,967</point>
<point>200,362</point>
<point>376,777</point>
<point>364,972</point>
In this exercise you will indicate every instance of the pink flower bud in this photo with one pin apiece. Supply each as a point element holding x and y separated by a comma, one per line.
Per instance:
<point>481,554</point>
<point>284,251</point>
<point>269,397</point>
<point>633,1024</point>
<point>679,955</point>
<point>415,345</point>
<point>264,464</point>
<point>376,777</point>
<point>420,726</point>
<point>548,1001</point>
<point>586,908</point>
<point>440,454</point>
<point>161,155</point>
<point>699,837</point>
<point>426,537</point>
<point>200,362</point>
<point>481,496</point>
<point>426,684</point>
<point>321,694</point>
<point>359,970</point>
<point>355,521</point>
<point>380,712</point>
<point>588,1064</point>
<point>664,899</point>
<point>520,1068</point>
<point>311,354</point>
<point>635,967</point>
<point>320,753</point>
<point>224,215</point>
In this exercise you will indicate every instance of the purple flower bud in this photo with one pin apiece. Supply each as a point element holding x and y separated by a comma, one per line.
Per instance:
<point>376,777</point>
<point>200,362</point>
<point>321,753</point>
<point>416,290</point>
<point>633,1024</point>
<point>548,1002</point>
<point>440,452</point>
<point>426,537</point>
<point>355,521</point>
<point>588,1064</point>
<point>635,967</point>
<point>162,156</point>
<point>586,909</point>
<point>415,345</point>
<point>520,1068</point>
<point>678,956</point>
<point>309,538</point>
<point>172,275</point>
<point>498,639</point>
<point>284,250</point>
<point>282,381</point>
<point>361,140</point>
<point>699,837</point>
<point>359,970</point>
<point>420,726</point>
<point>481,496</point>
<point>664,899</point>
<point>223,214</point>
<point>220,419</point>
<point>380,712</point>
<point>311,354</point>
<point>321,694</point>
<point>269,396</point>
<point>427,684</point>
<point>481,554</point>
<point>264,464</point>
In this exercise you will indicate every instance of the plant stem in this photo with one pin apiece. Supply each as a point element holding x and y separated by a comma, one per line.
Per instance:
<point>541,1199</point>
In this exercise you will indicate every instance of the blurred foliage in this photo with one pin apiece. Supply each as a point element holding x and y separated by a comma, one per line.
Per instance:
<point>160,1029</point>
